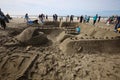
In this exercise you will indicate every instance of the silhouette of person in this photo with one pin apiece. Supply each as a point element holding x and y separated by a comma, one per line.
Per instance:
<point>88,19</point>
<point>46,17</point>
<point>27,17</point>
<point>71,18</point>
<point>81,19</point>
<point>94,19</point>
<point>99,18</point>
<point>117,24</point>
<point>3,19</point>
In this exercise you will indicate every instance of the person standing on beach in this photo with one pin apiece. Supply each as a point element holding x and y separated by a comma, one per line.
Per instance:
<point>94,19</point>
<point>99,18</point>
<point>85,18</point>
<point>117,24</point>
<point>41,18</point>
<point>3,19</point>
<point>71,18</point>
<point>56,17</point>
<point>46,17</point>
<point>53,17</point>
<point>81,19</point>
<point>27,17</point>
<point>88,19</point>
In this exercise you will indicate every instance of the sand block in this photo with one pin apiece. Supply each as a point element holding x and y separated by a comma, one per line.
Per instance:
<point>70,46</point>
<point>14,66</point>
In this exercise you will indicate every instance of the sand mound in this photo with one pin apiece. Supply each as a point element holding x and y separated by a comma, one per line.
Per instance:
<point>92,40</point>
<point>30,36</point>
<point>90,46</point>
<point>63,36</point>
<point>52,33</point>
<point>97,31</point>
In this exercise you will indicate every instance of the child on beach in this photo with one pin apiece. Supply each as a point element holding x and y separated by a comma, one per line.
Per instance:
<point>78,29</point>
<point>27,17</point>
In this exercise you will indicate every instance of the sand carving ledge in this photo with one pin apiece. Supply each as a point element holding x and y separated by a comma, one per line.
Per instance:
<point>29,36</point>
<point>77,45</point>
<point>92,40</point>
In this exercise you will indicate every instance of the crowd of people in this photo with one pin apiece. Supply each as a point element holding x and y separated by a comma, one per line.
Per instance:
<point>55,17</point>
<point>82,19</point>
<point>85,19</point>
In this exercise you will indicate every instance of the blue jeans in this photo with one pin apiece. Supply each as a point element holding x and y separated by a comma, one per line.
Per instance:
<point>117,26</point>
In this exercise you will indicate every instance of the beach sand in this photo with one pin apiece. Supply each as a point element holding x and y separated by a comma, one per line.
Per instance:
<point>51,62</point>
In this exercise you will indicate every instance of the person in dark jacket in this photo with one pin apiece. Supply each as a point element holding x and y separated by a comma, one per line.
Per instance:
<point>81,19</point>
<point>3,19</point>
<point>117,24</point>
<point>99,18</point>
<point>71,18</point>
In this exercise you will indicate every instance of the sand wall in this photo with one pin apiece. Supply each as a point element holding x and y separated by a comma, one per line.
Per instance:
<point>70,46</point>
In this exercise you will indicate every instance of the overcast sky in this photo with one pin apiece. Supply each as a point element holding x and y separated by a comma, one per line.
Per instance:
<point>60,7</point>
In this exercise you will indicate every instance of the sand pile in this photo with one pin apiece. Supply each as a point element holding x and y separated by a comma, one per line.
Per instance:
<point>62,36</point>
<point>51,33</point>
<point>97,32</point>
<point>30,36</point>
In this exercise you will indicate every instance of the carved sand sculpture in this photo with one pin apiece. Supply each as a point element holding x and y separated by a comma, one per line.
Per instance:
<point>53,53</point>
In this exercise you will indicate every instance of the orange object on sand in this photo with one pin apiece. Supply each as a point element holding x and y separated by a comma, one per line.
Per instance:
<point>118,29</point>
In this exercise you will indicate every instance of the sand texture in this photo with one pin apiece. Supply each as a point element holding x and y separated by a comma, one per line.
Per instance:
<point>52,53</point>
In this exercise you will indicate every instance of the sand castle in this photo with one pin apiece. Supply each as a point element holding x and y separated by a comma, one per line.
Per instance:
<point>55,53</point>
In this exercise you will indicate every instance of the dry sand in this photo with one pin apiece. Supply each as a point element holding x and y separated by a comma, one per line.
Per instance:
<point>50,62</point>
